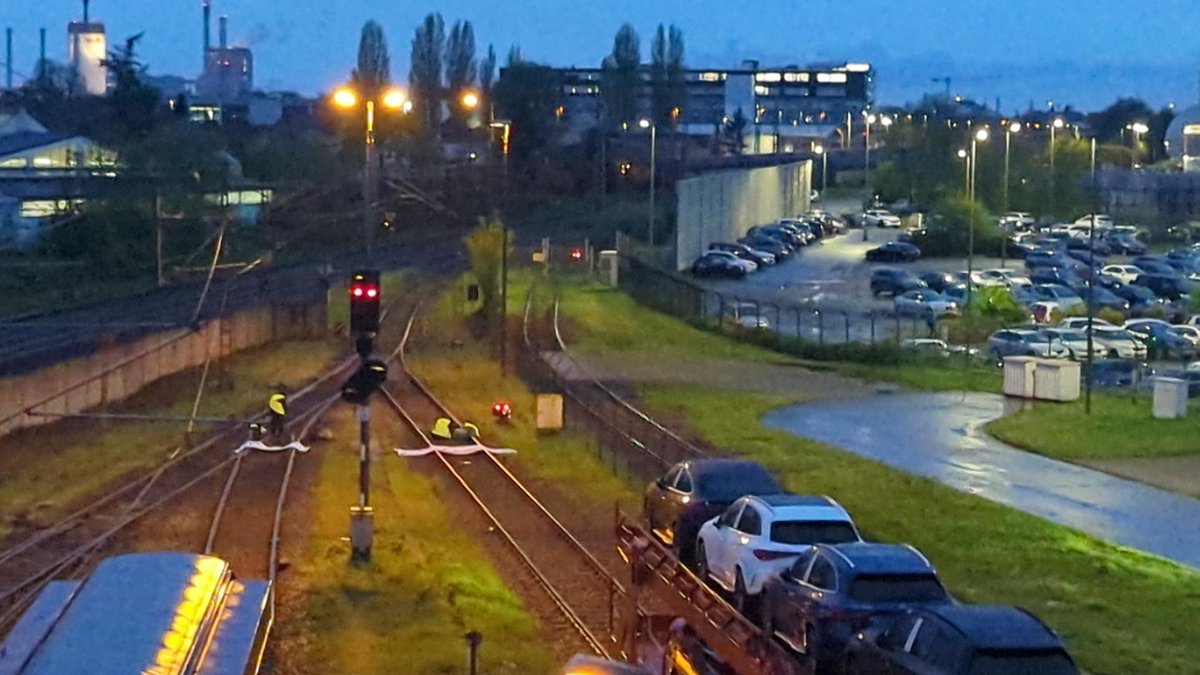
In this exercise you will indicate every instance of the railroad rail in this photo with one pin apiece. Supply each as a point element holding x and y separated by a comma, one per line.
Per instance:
<point>583,590</point>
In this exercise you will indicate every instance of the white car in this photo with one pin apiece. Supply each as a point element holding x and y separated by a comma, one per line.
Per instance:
<point>1001,276</point>
<point>1081,323</point>
<point>1103,222</point>
<point>1017,219</point>
<point>1118,342</point>
<point>1123,273</point>
<point>747,315</point>
<point>1192,333</point>
<point>734,261</point>
<point>880,218</point>
<point>924,303</point>
<point>760,536</point>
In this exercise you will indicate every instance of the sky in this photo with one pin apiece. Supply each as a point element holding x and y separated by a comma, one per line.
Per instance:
<point>1084,53</point>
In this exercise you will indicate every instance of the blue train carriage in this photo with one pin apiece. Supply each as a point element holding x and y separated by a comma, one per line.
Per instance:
<point>163,613</point>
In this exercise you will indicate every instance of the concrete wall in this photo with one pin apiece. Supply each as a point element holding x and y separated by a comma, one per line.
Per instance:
<point>119,371</point>
<point>721,206</point>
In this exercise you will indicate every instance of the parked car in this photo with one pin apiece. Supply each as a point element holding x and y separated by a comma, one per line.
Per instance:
<point>762,242</point>
<point>1160,340</point>
<point>924,303</point>
<point>880,218</point>
<point>758,537</point>
<point>1124,243</point>
<point>748,315</point>
<point>722,263</point>
<point>1116,342</point>
<point>1124,273</point>
<point>1102,298</point>
<point>937,281</point>
<point>894,282</point>
<point>1066,298</point>
<point>1074,340</point>
<point>1155,265</point>
<point>1165,286</point>
<point>894,251</point>
<point>1024,342</point>
<point>760,258</point>
<point>1101,221</point>
<point>937,347</point>
<point>833,591</point>
<point>1081,323</point>
<point>692,492</point>
<point>1099,246</point>
<point>955,639</point>
<point>1017,220</point>
<point>1140,298</point>
<point>1043,258</point>
<point>779,233</point>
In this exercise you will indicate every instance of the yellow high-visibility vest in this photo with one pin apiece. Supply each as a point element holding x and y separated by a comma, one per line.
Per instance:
<point>441,428</point>
<point>471,429</point>
<point>277,404</point>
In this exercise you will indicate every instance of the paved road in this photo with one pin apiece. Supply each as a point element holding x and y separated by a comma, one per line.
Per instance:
<point>941,436</point>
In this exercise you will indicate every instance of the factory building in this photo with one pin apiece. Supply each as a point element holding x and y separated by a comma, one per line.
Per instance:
<point>87,48</point>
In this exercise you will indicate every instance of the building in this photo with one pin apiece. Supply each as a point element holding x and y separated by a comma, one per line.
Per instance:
<point>788,109</point>
<point>228,71</point>
<point>1183,138</point>
<point>1168,197</point>
<point>87,48</point>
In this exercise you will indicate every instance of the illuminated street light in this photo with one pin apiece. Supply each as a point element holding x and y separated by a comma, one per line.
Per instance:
<point>1012,128</point>
<point>980,136</point>
<point>469,100</point>
<point>1057,124</point>
<point>391,99</point>
<point>820,150</point>
<point>647,124</point>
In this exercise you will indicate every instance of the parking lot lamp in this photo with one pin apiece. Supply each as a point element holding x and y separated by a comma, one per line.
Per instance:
<point>820,150</point>
<point>1058,123</point>
<point>351,99</point>
<point>647,124</point>
<point>980,135</point>
<point>1012,128</point>
<point>965,157</point>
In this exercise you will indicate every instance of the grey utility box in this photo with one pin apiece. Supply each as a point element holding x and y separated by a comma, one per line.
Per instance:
<point>1170,398</point>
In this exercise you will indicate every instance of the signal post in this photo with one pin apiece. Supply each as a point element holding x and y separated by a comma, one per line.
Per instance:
<point>372,372</point>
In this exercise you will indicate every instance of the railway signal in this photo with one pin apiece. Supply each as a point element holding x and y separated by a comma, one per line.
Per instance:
<point>502,410</point>
<point>365,300</point>
<point>365,381</point>
<point>364,303</point>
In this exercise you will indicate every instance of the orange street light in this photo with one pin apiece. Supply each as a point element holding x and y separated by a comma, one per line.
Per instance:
<point>345,97</point>
<point>470,100</point>
<point>394,99</point>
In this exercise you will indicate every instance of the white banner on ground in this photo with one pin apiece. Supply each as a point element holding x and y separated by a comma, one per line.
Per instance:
<point>259,445</point>
<point>458,450</point>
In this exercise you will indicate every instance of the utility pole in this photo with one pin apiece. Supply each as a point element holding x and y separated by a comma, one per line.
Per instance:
<point>1091,286</point>
<point>504,301</point>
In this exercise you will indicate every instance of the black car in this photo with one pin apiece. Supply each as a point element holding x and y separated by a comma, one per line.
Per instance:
<point>1043,258</point>
<point>765,243</point>
<point>938,281</point>
<point>960,640</point>
<point>697,490</point>
<point>894,251</point>
<point>833,591</point>
<point>1123,243</point>
<point>744,252</point>
<point>1097,246</point>
<point>1154,265</point>
<point>894,282</point>
<point>1165,286</point>
<point>712,264</point>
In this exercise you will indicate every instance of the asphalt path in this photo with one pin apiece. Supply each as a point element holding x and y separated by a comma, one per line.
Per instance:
<point>941,436</point>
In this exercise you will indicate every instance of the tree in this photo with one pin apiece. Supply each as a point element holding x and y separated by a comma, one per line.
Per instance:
<point>733,132</point>
<point>485,248</point>
<point>133,102</point>
<point>425,76</point>
<point>1109,125</point>
<point>487,72</point>
<point>527,96</point>
<point>667,88</point>
<point>621,80</point>
<point>374,71</point>
<point>461,67</point>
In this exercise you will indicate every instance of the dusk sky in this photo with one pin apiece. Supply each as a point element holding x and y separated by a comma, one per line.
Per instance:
<point>1084,53</point>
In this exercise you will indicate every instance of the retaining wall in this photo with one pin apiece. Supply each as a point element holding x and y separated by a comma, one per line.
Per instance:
<point>118,371</point>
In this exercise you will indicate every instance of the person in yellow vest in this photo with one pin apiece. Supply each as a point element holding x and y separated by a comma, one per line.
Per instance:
<point>442,428</point>
<point>467,432</point>
<point>277,405</point>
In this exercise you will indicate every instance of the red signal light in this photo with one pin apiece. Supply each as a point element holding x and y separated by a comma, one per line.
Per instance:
<point>576,254</point>
<point>502,409</point>
<point>372,292</point>
<point>357,291</point>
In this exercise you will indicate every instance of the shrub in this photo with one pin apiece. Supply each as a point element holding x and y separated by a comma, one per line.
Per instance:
<point>947,235</point>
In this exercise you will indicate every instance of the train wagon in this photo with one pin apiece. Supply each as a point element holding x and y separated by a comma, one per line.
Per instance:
<point>161,613</point>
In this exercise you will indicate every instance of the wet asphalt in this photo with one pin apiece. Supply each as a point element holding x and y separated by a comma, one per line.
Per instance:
<point>941,436</point>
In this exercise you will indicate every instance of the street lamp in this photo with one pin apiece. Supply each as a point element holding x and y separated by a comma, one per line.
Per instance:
<point>872,119</point>
<point>469,100</point>
<point>349,99</point>
<point>647,124</point>
<point>965,156</point>
<point>1138,129</point>
<point>820,150</point>
<point>1012,128</point>
<point>978,137</point>
<point>1058,123</point>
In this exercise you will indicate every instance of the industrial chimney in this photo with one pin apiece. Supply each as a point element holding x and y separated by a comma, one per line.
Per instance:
<point>207,32</point>
<point>222,31</point>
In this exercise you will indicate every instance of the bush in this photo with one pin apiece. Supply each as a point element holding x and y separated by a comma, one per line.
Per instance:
<point>1111,315</point>
<point>947,235</point>
<point>996,303</point>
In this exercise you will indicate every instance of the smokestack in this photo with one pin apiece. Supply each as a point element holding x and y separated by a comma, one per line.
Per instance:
<point>85,11</point>
<point>207,32</point>
<point>8,58</point>
<point>221,31</point>
<point>42,55</point>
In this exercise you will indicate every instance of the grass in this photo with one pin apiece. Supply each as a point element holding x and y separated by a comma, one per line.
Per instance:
<point>46,469</point>
<point>1119,611</point>
<point>427,584</point>
<point>1119,427</point>
<point>928,375</point>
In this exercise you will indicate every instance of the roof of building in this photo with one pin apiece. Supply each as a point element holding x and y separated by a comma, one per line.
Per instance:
<point>997,626</point>
<point>20,121</point>
<point>27,140</point>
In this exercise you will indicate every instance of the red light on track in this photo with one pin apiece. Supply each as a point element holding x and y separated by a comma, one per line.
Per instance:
<point>357,291</point>
<point>372,293</point>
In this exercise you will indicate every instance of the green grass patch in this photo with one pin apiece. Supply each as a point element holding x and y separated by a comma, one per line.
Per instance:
<point>46,469</point>
<point>1120,611</point>
<point>1119,427</point>
<point>929,375</point>
<point>427,584</point>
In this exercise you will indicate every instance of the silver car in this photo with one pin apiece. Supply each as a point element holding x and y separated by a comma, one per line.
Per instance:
<point>1009,342</point>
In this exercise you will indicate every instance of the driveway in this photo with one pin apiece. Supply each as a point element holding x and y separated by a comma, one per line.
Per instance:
<point>941,436</point>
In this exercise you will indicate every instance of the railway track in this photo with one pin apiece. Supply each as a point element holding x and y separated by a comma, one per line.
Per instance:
<point>76,542</point>
<point>583,591</point>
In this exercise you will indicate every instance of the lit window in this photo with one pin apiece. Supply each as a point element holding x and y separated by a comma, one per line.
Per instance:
<point>834,78</point>
<point>710,77</point>
<point>768,77</point>
<point>761,90</point>
<point>1191,130</point>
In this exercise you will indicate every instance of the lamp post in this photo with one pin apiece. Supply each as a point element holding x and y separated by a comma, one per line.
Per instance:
<point>647,124</point>
<point>1058,123</point>
<point>1091,284</point>
<point>349,99</point>
<point>1138,129</point>
<point>1012,128</point>
<point>980,135</point>
<point>872,119</point>
<point>820,150</point>
<point>964,155</point>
